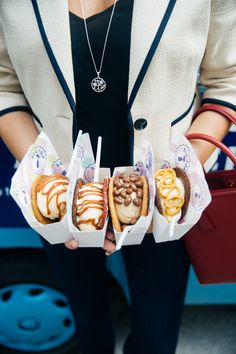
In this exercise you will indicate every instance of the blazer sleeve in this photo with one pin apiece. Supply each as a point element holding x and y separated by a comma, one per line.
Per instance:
<point>218,68</point>
<point>11,94</point>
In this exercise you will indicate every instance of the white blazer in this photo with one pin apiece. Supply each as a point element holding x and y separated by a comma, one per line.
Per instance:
<point>170,41</point>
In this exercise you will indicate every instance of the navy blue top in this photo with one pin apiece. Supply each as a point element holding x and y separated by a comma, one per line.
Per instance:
<point>104,113</point>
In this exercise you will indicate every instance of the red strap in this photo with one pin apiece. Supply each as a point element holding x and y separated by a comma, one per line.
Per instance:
<point>215,142</point>
<point>216,108</point>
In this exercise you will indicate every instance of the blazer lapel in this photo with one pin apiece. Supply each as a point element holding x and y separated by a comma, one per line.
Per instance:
<point>150,19</point>
<point>53,22</point>
<point>148,24</point>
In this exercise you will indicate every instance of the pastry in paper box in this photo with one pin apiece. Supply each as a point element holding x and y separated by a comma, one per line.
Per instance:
<point>173,193</point>
<point>128,199</point>
<point>48,198</point>
<point>90,205</point>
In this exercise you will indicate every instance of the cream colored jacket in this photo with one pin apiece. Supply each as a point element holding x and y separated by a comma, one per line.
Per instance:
<point>170,42</point>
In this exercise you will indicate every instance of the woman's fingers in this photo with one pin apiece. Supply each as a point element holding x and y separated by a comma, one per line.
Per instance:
<point>149,231</point>
<point>109,247</point>
<point>110,235</point>
<point>109,243</point>
<point>72,245</point>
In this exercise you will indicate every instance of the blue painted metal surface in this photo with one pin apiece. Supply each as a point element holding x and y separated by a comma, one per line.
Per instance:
<point>23,237</point>
<point>209,294</point>
<point>43,320</point>
<point>10,213</point>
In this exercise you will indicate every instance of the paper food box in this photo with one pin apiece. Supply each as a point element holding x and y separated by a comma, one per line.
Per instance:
<point>181,155</point>
<point>134,234</point>
<point>83,166</point>
<point>41,159</point>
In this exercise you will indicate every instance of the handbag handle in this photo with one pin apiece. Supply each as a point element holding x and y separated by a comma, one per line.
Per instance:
<point>215,142</point>
<point>218,109</point>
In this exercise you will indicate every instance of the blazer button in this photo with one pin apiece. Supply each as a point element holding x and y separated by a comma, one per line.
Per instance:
<point>140,124</point>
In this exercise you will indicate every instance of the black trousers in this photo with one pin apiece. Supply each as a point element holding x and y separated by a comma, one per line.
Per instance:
<point>157,275</point>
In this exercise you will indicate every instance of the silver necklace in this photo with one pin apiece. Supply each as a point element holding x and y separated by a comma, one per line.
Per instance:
<point>98,84</point>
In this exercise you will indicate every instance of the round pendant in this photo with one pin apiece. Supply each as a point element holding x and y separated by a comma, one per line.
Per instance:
<point>98,84</point>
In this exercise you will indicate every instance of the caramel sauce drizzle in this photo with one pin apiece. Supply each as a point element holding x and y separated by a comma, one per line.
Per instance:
<point>87,204</point>
<point>49,193</point>
<point>90,221</point>
<point>88,192</point>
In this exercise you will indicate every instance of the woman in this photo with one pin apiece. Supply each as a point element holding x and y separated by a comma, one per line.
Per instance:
<point>52,69</point>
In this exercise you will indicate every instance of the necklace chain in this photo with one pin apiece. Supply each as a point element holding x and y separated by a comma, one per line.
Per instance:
<point>98,81</point>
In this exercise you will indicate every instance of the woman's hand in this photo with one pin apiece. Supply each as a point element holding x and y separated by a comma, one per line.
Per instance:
<point>72,245</point>
<point>150,229</point>
<point>109,243</point>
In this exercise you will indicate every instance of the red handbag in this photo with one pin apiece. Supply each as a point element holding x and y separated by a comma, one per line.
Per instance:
<point>211,243</point>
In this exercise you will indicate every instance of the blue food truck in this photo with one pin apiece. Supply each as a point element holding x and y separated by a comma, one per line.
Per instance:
<point>34,313</point>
